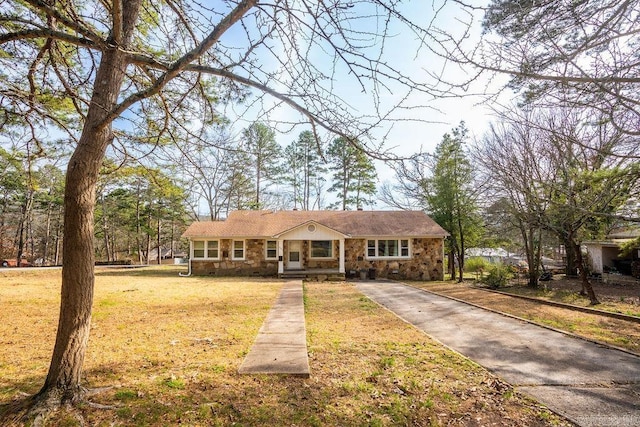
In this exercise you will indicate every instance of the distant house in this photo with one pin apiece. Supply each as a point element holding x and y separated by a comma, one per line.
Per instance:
<point>605,255</point>
<point>492,255</point>
<point>402,244</point>
<point>167,255</point>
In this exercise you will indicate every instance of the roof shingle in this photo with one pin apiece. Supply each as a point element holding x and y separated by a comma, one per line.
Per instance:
<point>266,223</point>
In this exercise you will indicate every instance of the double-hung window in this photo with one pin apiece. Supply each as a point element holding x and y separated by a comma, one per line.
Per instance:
<point>388,248</point>
<point>206,249</point>
<point>271,249</point>
<point>238,249</point>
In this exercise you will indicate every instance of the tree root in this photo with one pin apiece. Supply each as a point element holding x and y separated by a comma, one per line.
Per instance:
<point>13,414</point>
<point>37,409</point>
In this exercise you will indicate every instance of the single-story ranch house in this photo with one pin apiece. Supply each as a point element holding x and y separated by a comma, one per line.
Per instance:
<point>399,244</point>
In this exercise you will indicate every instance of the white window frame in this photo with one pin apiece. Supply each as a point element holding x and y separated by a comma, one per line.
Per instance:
<point>399,245</point>
<point>266,250</point>
<point>233,250</point>
<point>206,249</point>
<point>331,256</point>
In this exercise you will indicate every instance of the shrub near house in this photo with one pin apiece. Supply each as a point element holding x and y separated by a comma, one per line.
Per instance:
<point>402,244</point>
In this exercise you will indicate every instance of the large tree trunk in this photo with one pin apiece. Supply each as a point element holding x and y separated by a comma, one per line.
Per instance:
<point>105,230</point>
<point>461,249</point>
<point>452,264</point>
<point>460,268</point>
<point>62,384</point>
<point>47,236</point>
<point>572,257</point>
<point>532,252</point>
<point>587,287</point>
<point>25,211</point>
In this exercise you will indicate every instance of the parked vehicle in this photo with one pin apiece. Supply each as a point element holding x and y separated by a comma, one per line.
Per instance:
<point>12,263</point>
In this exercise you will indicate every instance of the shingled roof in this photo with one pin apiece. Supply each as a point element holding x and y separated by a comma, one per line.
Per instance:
<point>265,224</point>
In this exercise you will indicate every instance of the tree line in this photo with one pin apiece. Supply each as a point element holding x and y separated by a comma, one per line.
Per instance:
<point>142,207</point>
<point>560,164</point>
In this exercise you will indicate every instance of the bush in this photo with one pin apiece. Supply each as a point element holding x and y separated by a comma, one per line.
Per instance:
<point>499,275</point>
<point>476,265</point>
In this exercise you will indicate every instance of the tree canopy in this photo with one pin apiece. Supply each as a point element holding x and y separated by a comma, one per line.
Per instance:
<point>580,53</point>
<point>121,76</point>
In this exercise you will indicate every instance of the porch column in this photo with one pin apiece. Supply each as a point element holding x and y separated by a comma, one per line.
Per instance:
<point>341,268</point>
<point>280,256</point>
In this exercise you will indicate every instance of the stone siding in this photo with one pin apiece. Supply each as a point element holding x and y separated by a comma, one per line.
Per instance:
<point>426,262</point>
<point>253,264</point>
<point>333,263</point>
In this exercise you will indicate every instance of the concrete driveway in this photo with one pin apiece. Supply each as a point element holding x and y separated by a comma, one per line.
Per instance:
<point>589,384</point>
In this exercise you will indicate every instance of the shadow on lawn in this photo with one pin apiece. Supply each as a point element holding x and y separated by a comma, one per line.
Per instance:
<point>20,394</point>
<point>140,271</point>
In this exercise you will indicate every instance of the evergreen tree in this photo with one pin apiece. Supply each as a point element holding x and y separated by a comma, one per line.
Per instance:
<point>102,61</point>
<point>451,198</point>
<point>304,171</point>
<point>354,175</point>
<point>263,156</point>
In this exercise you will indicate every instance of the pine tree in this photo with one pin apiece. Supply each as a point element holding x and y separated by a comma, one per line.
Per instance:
<point>304,171</point>
<point>354,175</point>
<point>263,155</point>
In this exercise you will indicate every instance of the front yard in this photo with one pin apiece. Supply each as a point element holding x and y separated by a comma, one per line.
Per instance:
<point>167,350</point>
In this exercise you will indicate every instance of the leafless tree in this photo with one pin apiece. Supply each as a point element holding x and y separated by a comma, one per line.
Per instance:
<point>552,166</point>
<point>102,69</point>
<point>579,52</point>
<point>207,167</point>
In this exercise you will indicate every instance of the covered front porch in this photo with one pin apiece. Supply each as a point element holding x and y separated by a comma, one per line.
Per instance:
<point>311,250</point>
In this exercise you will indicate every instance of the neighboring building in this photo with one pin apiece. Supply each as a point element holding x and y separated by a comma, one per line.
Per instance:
<point>167,255</point>
<point>402,244</point>
<point>492,255</point>
<point>605,255</point>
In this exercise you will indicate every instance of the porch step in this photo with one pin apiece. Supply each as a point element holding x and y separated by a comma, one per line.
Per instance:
<point>312,275</point>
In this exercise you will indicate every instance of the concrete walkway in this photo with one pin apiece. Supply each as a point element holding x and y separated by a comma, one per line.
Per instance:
<point>587,383</point>
<point>281,344</point>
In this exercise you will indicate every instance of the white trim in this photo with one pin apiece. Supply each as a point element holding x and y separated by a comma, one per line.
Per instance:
<point>181,274</point>
<point>292,265</point>
<point>266,250</point>
<point>341,259</point>
<point>233,250</point>
<point>391,257</point>
<point>205,249</point>
<point>333,250</point>
<point>281,256</point>
<point>301,232</point>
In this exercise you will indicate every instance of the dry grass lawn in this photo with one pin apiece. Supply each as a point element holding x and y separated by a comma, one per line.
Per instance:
<point>167,350</point>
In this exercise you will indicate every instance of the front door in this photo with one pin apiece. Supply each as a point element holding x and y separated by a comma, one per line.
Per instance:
<point>294,259</point>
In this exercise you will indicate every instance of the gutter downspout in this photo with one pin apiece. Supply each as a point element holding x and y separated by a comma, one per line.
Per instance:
<point>190,258</point>
<point>188,273</point>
